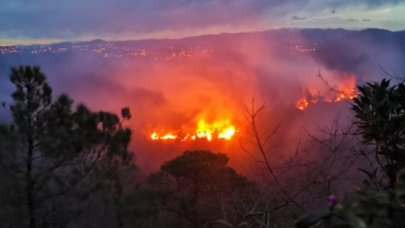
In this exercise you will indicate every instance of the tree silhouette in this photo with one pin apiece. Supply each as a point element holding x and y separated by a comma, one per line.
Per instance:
<point>200,188</point>
<point>53,153</point>
<point>380,114</point>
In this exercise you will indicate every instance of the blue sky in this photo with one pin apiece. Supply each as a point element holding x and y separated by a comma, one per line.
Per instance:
<point>36,21</point>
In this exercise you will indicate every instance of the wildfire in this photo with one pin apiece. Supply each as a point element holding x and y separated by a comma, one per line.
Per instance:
<point>221,130</point>
<point>302,104</point>
<point>167,136</point>
<point>345,90</point>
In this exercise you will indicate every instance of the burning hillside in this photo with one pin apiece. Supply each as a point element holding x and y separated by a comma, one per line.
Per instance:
<point>225,129</point>
<point>191,93</point>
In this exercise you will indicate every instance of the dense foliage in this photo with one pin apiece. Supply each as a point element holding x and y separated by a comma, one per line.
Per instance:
<point>198,188</point>
<point>55,158</point>
<point>380,111</point>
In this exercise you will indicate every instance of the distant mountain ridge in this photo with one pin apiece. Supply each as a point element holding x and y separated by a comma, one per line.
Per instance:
<point>313,35</point>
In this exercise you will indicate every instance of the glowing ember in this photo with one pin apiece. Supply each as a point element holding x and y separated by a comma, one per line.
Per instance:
<point>222,130</point>
<point>345,90</point>
<point>302,104</point>
<point>154,136</point>
<point>169,136</point>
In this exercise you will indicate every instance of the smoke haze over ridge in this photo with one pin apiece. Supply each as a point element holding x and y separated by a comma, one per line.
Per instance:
<point>173,83</point>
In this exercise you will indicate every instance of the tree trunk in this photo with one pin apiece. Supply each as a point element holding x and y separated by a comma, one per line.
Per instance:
<point>30,185</point>
<point>118,200</point>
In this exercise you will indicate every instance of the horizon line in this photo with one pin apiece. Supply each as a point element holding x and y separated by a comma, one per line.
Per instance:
<point>51,41</point>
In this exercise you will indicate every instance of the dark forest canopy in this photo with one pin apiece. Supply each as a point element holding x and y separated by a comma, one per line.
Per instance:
<point>56,157</point>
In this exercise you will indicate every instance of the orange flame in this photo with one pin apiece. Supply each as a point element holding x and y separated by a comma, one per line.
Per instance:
<point>221,130</point>
<point>345,90</point>
<point>302,104</point>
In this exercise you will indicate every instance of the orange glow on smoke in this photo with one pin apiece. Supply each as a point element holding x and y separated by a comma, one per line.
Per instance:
<point>343,91</point>
<point>220,130</point>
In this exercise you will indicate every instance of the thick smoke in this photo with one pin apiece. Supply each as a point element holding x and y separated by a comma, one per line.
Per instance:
<point>173,83</point>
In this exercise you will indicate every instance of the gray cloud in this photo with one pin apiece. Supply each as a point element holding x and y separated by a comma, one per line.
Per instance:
<point>368,3</point>
<point>298,18</point>
<point>78,18</point>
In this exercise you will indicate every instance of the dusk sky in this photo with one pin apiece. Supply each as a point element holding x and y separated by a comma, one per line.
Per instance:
<point>42,21</point>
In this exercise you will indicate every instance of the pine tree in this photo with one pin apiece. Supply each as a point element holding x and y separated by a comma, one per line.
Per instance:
<point>55,154</point>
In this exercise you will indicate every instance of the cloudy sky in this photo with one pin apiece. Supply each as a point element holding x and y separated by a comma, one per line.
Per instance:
<point>39,21</point>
